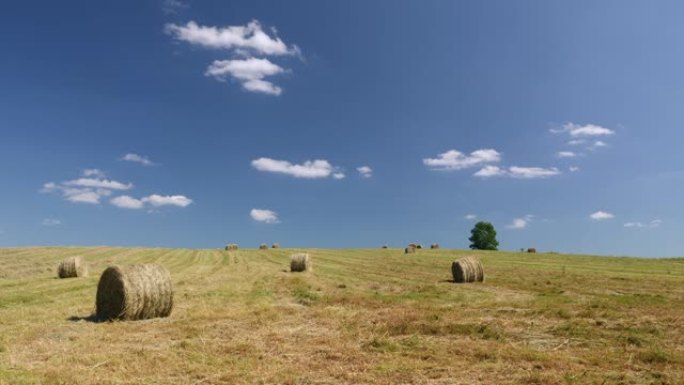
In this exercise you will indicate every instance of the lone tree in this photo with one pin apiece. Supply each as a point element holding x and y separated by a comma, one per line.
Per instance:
<point>483,237</point>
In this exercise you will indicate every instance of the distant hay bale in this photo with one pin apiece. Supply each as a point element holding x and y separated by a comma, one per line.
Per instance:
<point>410,249</point>
<point>414,245</point>
<point>134,292</point>
<point>300,262</point>
<point>263,246</point>
<point>531,250</point>
<point>434,246</point>
<point>384,246</point>
<point>72,267</point>
<point>419,246</point>
<point>275,246</point>
<point>231,247</point>
<point>467,269</point>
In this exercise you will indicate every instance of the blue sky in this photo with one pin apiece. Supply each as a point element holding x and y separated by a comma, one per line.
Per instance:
<point>343,124</point>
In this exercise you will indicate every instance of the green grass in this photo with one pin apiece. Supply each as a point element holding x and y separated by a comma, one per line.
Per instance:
<point>361,317</point>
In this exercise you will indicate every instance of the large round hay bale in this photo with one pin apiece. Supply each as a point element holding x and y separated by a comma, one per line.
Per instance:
<point>134,292</point>
<point>467,269</point>
<point>419,246</point>
<point>231,247</point>
<point>72,267</point>
<point>275,246</point>
<point>263,246</point>
<point>531,250</point>
<point>410,249</point>
<point>434,246</point>
<point>300,262</point>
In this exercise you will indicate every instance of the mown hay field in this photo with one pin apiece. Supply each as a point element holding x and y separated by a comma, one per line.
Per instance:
<point>361,317</point>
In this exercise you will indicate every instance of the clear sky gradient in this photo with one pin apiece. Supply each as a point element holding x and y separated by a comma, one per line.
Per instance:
<point>343,124</point>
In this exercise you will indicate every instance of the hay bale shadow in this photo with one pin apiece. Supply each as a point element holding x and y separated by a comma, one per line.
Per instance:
<point>91,318</point>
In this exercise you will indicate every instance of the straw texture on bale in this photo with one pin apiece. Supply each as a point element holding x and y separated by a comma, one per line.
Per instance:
<point>467,269</point>
<point>434,246</point>
<point>72,267</point>
<point>300,262</point>
<point>263,246</point>
<point>531,250</point>
<point>275,246</point>
<point>231,247</point>
<point>134,292</point>
<point>410,249</point>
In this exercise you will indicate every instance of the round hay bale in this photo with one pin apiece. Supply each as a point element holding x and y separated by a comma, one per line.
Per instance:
<point>384,246</point>
<point>300,262</point>
<point>410,249</point>
<point>72,267</point>
<point>263,246</point>
<point>231,247</point>
<point>467,269</point>
<point>531,250</point>
<point>275,246</point>
<point>419,246</point>
<point>434,246</point>
<point>134,292</point>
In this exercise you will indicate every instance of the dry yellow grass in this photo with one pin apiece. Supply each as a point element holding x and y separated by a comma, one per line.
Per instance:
<point>364,317</point>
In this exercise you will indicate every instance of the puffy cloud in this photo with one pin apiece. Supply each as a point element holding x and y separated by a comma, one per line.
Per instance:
<point>601,215</point>
<point>98,183</point>
<point>250,72</point>
<point>127,202</point>
<point>167,200</point>
<point>365,171</point>
<point>309,169</point>
<point>250,37</point>
<point>93,172</point>
<point>86,190</point>
<point>470,217</point>
<point>265,216</point>
<point>579,131</point>
<point>521,223</point>
<point>145,161</point>
<point>566,154</point>
<point>51,222</point>
<point>517,172</point>
<point>456,160</point>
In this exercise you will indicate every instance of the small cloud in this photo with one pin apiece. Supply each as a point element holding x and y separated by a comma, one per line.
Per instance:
<point>98,183</point>
<point>127,202</point>
<point>576,142</point>
<point>520,223</point>
<point>265,216</point>
<point>573,168</point>
<point>173,6</point>
<point>157,200</point>
<point>579,131</point>
<point>137,159</point>
<point>566,154</point>
<point>456,160</point>
<point>365,171</point>
<point>50,222</point>
<point>470,217</point>
<point>250,72</point>
<point>309,170</point>
<point>517,172</point>
<point>652,224</point>
<point>93,172</point>
<point>601,215</point>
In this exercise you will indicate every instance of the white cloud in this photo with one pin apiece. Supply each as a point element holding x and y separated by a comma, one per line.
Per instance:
<point>578,131</point>
<point>82,196</point>
<point>652,224</point>
<point>127,202</point>
<point>173,6</point>
<point>262,215</point>
<point>138,159</point>
<point>93,172</point>
<point>470,217</point>
<point>51,222</point>
<point>576,142</point>
<point>167,200</point>
<point>310,169</point>
<point>98,183</point>
<point>573,168</point>
<point>521,223</point>
<point>456,160</point>
<point>365,171</point>
<point>250,72</point>
<point>250,37</point>
<point>598,144</point>
<point>517,172</point>
<point>601,215</point>
<point>566,154</point>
